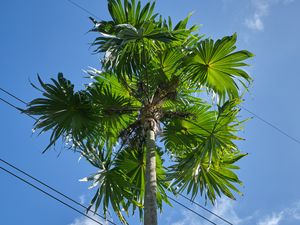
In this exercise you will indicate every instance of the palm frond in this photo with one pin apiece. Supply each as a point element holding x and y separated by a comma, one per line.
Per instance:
<point>117,111</point>
<point>132,37</point>
<point>133,163</point>
<point>196,175</point>
<point>112,186</point>
<point>216,66</point>
<point>200,145</point>
<point>121,183</point>
<point>63,111</point>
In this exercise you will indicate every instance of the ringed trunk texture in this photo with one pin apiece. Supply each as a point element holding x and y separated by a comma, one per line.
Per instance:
<point>150,204</point>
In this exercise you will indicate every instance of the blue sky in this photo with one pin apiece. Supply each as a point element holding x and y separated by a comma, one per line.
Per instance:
<point>47,37</point>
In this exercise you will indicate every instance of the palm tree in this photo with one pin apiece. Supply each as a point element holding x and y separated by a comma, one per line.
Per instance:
<point>150,104</point>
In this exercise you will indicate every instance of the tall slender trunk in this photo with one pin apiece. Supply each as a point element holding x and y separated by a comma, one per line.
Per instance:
<point>150,210</point>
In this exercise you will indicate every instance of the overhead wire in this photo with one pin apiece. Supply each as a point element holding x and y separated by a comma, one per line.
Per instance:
<point>17,108</point>
<point>254,114</point>
<point>10,104</point>
<point>10,94</point>
<point>242,107</point>
<point>271,125</point>
<point>193,211</point>
<point>48,194</point>
<point>198,214</point>
<point>202,207</point>
<point>82,8</point>
<point>53,189</point>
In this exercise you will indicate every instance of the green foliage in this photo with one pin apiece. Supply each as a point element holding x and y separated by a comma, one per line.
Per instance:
<point>63,111</point>
<point>121,180</point>
<point>216,66</point>
<point>151,70</point>
<point>195,174</point>
<point>204,152</point>
<point>113,186</point>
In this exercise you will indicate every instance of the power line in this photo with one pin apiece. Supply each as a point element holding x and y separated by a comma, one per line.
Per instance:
<point>254,114</point>
<point>263,120</point>
<point>242,107</point>
<point>53,189</point>
<point>271,125</point>
<point>83,9</point>
<point>46,193</point>
<point>202,207</point>
<point>12,95</point>
<point>193,211</point>
<point>17,108</point>
<point>260,118</point>
<point>10,104</point>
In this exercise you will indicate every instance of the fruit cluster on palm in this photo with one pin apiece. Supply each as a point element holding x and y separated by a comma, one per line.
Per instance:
<point>147,106</point>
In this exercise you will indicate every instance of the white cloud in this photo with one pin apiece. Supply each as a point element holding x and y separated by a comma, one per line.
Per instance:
<point>227,209</point>
<point>86,221</point>
<point>82,199</point>
<point>294,212</point>
<point>271,220</point>
<point>224,208</point>
<point>290,213</point>
<point>82,220</point>
<point>261,10</point>
<point>255,23</point>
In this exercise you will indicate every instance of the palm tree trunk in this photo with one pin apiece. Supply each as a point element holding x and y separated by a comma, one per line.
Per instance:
<point>150,210</point>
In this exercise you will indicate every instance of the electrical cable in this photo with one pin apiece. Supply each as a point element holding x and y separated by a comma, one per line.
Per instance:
<point>17,108</point>
<point>193,211</point>
<point>73,199</point>
<point>82,8</point>
<point>71,207</point>
<point>271,125</point>
<point>202,207</point>
<point>12,95</point>
<point>53,189</point>
<point>10,104</point>
<point>46,193</point>
<point>255,115</point>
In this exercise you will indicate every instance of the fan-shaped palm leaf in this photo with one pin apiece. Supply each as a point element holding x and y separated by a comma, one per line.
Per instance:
<point>64,111</point>
<point>193,173</point>
<point>216,66</point>
<point>202,148</point>
<point>112,185</point>
<point>133,163</point>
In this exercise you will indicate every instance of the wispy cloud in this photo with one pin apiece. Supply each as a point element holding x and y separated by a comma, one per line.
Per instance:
<point>227,209</point>
<point>82,199</point>
<point>224,208</point>
<point>86,221</point>
<point>82,220</point>
<point>290,213</point>
<point>261,9</point>
<point>274,219</point>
